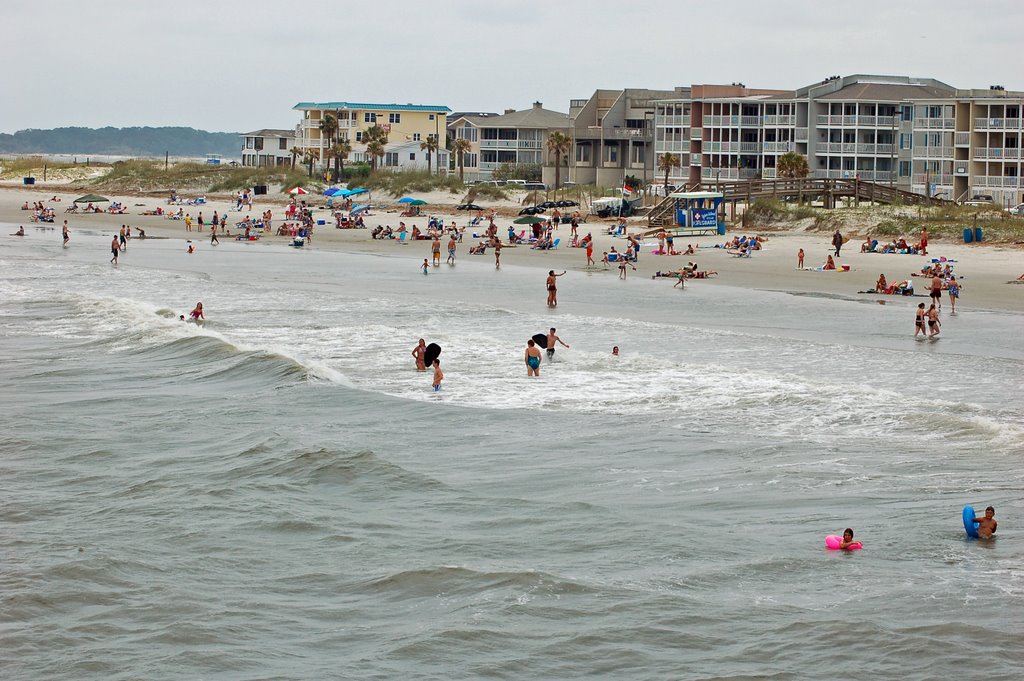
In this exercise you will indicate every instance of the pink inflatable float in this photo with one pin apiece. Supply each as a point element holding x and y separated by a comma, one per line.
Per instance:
<point>833,542</point>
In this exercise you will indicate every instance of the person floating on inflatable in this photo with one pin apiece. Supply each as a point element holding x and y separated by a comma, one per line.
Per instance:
<point>845,543</point>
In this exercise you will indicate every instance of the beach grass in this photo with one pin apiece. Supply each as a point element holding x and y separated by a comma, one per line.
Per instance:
<point>152,176</point>
<point>32,166</point>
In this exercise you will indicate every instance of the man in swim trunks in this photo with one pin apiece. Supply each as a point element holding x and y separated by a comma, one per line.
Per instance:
<point>438,375</point>
<point>987,525</point>
<point>552,339</point>
<point>115,248</point>
<point>435,250</point>
<point>451,250</point>
<point>66,232</point>
<point>936,291</point>
<point>552,288</point>
<point>419,352</point>
<point>123,238</point>
<point>532,358</point>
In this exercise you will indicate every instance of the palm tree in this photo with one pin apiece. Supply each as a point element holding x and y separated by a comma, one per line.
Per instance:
<point>430,146</point>
<point>667,162</point>
<point>340,151</point>
<point>375,139</point>
<point>296,152</point>
<point>376,150</point>
<point>791,165</point>
<point>310,157</point>
<point>558,144</point>
<point>328,128</point>
<point>459,147</point>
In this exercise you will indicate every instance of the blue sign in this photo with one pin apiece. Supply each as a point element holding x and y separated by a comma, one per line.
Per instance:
<point>704,217</point>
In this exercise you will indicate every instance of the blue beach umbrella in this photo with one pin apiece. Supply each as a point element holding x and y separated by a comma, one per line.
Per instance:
<point>332,191</point>
<point>406,199</point>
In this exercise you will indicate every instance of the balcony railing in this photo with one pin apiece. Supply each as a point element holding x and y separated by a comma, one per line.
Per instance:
<point>674,146</point>
<point>777,147</point>
<point>856,121</point>
<point>750,147</point>
<point>865,175</point>
<point>962,139</point>
<point>784,120</point>
<point>674,121</point>
<point>720,173</point>
<point>996,153</point>
<point>801,134</point>
<point>721,147</point>
<point>750,121</point>
<point>768,173</point>
<point>934,178</point>
<point>996,181</point>
<point>935,123</point>
<point>997,124</point>
<point>933,152</point>
<point>695,134</point>
<point>511,144</point>
<point>694,159</point>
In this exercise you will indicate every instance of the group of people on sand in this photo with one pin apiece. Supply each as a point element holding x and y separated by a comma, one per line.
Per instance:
<point>899,245</point>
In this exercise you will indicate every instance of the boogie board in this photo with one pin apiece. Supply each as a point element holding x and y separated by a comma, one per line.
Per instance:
<point>432,353</point>
<point>970,527</point>
<point>541,339</point>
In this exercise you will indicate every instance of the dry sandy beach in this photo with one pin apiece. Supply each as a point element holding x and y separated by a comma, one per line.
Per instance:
<point>983,270</point>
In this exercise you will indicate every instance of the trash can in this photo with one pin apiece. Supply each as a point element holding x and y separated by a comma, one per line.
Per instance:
<point>29,180</point>
<point>968,235</point>
<point>721,228</point>
<point>977,235</point>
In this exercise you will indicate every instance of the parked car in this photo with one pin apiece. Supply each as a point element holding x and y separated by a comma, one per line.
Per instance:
<point>1017,210</point>
<point>535,186</point>
<point>517,184</point>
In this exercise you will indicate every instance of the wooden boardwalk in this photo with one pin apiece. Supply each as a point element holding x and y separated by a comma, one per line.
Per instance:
<point>798,189</point>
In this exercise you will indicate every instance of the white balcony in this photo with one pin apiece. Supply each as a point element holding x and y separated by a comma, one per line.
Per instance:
<point>784,121</point>
<point>511,144</point>
<point>856,121</point>
<point>934,123</point>
<point>962,139</point>
<point>933,152</point>
<point>695,134</point>
<point>777,147</point>
<point>997,153</point>
<point>720,173</point>
<point>996,181</point>
<point>997,124</point>
<point>674,121</point>
<point>934,178</point>
<point>750,121</point>
<point>750,147</point>
<point>768,173</point>
<point>801,134</point>
<point>675,147</point>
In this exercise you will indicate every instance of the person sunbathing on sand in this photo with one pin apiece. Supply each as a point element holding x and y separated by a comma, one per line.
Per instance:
<point>830,264</point>
<point>881,286</point>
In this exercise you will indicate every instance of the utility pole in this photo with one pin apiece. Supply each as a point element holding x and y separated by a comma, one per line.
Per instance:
<point>167,159</point>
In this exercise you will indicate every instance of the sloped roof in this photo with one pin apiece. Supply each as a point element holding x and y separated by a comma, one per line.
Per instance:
<point>534,117</point>
<point>269,132</point>
<point>887,92</point>
<point>364,106</point>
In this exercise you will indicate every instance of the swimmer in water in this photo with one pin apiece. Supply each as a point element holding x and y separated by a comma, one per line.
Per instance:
<point>532,358</point>
<point>847,539</point>
<point>197,313</point>
<point>419,352</point>
<point>20,232</point>
<point>438,375</point>
<point>987,525</point>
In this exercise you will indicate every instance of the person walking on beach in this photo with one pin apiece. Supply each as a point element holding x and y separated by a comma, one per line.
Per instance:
<point>213,233</point>
<point>924,241</point>
<point>954,292</point>
<point>451,250</point>
<point>919,321</point>
<point>837,241</point>
<point>115,248</point>
<point>438,375</point>
<point>800,259</point>
<point>435,250</point>
<point>936,291</point>
<point>497,254</point>
<point>933,321</point>
<point>590,253</point>
<point>552,339</point>
<point>532,359</point>
<point>200,222</point>
<point>553,288</point>
<point>66,232</point>
<point>123,239</point>
<point>188,222</point>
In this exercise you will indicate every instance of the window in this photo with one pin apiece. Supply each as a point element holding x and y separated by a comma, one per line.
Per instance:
<point>467,133</point>
<point>611,153</point>
<point>469,160</point>
<point>248,143</point>
<point>430,117</point>
<point>282,144</point>
<point>907,112</point>
<point>415,137</point>
<point>369,117</point>
<point>394,118</point>
<point>391,159</point>
<point>638,154</point>
<point>258,146</point>
<point>583,153</point>
<point>906,141</point>
<point>359,136</point>
<point>412,156</point>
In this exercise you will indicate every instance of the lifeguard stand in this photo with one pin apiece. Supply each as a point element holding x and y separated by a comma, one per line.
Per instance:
<point>697,213</point>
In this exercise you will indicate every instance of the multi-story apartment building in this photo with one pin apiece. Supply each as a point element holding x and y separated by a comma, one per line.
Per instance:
<point>918,134</point>
<point>267,147</point>
<point>513,138</point>
<point>466,125</point>
<point>404,123</point>
<point>612,134</point>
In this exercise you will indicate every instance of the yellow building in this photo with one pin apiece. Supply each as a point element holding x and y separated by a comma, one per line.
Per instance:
<point>405,124</point>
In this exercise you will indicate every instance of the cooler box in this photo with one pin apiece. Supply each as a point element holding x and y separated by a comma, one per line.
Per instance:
<point>968,235</point>
<point>977,235</point>
<point>844,268</point>
<point>29,180</point>
<point>321,222</point>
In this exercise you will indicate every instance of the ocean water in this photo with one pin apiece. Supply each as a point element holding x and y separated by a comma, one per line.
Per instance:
<point>277,494</point>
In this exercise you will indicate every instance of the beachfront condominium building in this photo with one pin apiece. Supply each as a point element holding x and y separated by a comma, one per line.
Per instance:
<point>918,134</point>
<point>513,139</point>
<point>466,125</point>
<point>267,147</point>
<point>403,123</point>
<point>612,135</point>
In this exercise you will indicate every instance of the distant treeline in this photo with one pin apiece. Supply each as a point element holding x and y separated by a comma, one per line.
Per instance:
<point>122,142</point>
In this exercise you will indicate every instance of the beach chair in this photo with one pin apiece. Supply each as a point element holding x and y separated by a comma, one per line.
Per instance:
<point>554,244</point>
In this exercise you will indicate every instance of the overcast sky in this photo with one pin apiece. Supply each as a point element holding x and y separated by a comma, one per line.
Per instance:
<point>228,65</point>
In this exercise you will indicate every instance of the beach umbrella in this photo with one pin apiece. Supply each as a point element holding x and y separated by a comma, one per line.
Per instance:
<point>529,220</point>
<point>332,191</point>
<point>90,198</point>
<point>297,190</point>
<point>468,206</point>
<point>417,202</point>
<point>406,199</point>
